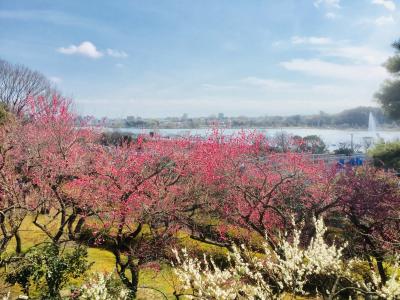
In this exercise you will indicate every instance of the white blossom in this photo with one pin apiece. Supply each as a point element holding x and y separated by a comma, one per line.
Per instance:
<point>6,297</point>
<point>96,289</point>
<point>391,290</point>
<point>273,275</point>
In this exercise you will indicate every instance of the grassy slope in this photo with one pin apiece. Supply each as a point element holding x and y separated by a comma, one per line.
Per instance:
<point>103,261</point>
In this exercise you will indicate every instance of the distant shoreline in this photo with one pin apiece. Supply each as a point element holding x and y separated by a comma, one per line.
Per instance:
<point>389,129</point>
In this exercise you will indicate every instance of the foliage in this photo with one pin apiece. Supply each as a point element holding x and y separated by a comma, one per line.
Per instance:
<point>283,142</point>
<point>312,144</point>
<point>318,269</point>
<point>389,95</point>
<point>133,195</point>
<point>54,151</point>
<point>4,115</point>
<point>369,200</point>
<point>348,149</point>
<point>115,138</point>
<point>386,155</point>
<point>260,190</point>
<point>102,287</point>
<point>393,64</point>
<point>49,267</point>
<point>359,116</point>
<point>344,150</point>
<point>13,185</point>
<point>396,45</point>
<point>138,199</point>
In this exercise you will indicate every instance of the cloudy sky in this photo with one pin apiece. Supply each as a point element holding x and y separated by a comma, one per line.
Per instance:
<point>242,57</point>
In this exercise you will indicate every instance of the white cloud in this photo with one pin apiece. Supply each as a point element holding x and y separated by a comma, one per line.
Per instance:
<point>320,68</point>
<point>313,40</point>
<point>328,47</point>
<point>116,53</point>
<point>330,6</point>
<point>85,49</point>
<point>388,4</point>
<point>89,49</point>
<point>379,22</point>
<point>362,54</point>
<point>331,15</point>
<point>327,3</point>
<point>218,87</point>
<point>384,20</point>
<point>268,83</point>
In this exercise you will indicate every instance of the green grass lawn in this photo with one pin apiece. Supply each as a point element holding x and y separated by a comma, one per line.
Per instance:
<point>103,261</point>
<point>151,281</point>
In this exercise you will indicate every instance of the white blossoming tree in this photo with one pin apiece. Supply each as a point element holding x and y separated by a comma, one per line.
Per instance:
<point>318,269</point>
<point>98,288</point>
<point>6,297</point>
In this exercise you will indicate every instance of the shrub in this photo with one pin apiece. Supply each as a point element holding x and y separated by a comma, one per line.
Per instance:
<point>318,269</point>
<point>386,155</point>
<point>311,143</point>
<point>115,138</point>
<point>49,268</point>
<point>103,287</point>
<point>369,203</point>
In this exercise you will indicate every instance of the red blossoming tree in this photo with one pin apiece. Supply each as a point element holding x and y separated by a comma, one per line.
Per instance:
<point>370,202</point>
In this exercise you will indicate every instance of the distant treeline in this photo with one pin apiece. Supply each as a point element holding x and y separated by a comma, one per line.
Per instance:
<point>354,118</point>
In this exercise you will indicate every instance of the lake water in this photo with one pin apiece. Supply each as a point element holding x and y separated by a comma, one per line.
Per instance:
<point>331,137</point>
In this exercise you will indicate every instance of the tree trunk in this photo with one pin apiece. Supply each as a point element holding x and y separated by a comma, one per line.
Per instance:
<point>18,243</point>
<point>381,269</point>
<point>123,268</point>
<point>134,269</point>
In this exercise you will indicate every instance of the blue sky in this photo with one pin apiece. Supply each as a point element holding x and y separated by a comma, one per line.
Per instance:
<point>243,57</point>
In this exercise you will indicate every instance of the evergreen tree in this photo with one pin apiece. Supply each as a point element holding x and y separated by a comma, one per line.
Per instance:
<point>389,94</point>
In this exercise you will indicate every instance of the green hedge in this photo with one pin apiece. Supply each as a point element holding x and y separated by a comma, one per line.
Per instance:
<point>386,155</point>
